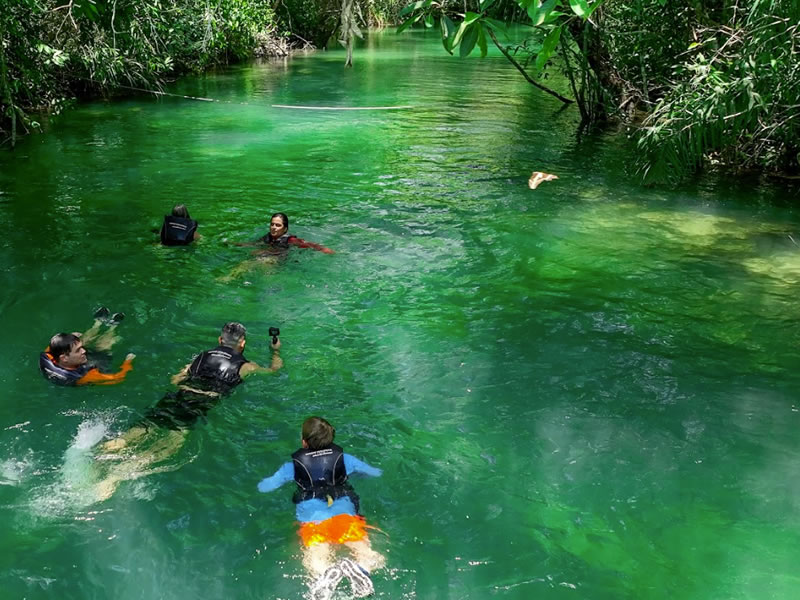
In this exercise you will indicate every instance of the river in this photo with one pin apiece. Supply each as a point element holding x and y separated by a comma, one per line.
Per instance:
<point>587,390</point>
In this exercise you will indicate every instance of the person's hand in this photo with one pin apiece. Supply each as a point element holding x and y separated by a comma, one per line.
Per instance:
<point>130,356</point>
<point>275,345</point>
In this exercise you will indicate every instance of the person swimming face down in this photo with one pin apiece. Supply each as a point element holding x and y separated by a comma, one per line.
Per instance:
<point>278,226</point>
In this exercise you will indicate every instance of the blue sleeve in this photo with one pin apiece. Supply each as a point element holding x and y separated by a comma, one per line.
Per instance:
<point>281,476</point>
<point>353,465</point>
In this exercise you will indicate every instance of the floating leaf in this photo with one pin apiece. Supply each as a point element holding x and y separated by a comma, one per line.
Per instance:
<point>538,177</point>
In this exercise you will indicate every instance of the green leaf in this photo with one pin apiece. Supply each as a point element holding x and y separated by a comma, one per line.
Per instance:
<point>580,8</point>
<point>498,26</point>
<point>549,44</point>
<point>459,34</point>
<point>448,32</point>
<point>539,13</point>
<point>597,4</point>
<point>407,23</point>
<point>468,41</point>
<point>428,21</point>
<point>415,6</point>
<point>481,39</point>
<point>471,17</point>
<point>485,4</point>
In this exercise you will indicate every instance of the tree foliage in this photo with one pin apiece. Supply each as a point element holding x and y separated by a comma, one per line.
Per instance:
<point>51,50</point>
<point>734,98</point>
<point>719,80</point>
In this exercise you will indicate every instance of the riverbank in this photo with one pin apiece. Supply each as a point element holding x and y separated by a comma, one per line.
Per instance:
<point>53,53</point>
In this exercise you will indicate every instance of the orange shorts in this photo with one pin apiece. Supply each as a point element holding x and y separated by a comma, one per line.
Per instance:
<point>336,530</point>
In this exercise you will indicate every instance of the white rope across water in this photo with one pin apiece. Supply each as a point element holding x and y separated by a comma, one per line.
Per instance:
<point>160,93</point>
<point>406,107</point>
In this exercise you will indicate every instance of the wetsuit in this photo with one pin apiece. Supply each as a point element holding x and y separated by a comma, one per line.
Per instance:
<point>281,244</point>
<point>324,519</point>
<point>212,374</point>
<point>177,231</point>
<point>82,375</point>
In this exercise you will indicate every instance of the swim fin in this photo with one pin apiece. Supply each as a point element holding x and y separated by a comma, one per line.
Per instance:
<point>360,581</point>
<point>101,314</point>
<point>323,588</point>
<point>116,318</point>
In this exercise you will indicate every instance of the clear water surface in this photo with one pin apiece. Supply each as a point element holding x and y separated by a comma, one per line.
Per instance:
<point>584,391</point>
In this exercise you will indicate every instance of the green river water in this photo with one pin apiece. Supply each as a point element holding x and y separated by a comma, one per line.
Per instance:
<point>584,391</point>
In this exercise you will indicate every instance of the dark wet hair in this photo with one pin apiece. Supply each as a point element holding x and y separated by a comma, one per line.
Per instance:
<point>180,210</point>
<point>62,343</point>
<point>318,433</point>
<point>232,334</point>
<point>283,217</point>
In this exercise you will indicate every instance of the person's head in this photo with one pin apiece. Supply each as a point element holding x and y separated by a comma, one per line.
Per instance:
<point>180,210</point>
<point>67,350</point>
<point>278,225</point>
<point>317,433</point>
<point>233,336</point>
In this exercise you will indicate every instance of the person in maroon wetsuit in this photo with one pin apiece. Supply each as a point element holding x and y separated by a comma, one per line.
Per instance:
<point>272,246</point>
<point>278,236</point>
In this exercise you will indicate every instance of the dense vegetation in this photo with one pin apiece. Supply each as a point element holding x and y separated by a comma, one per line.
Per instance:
<point>53,50</point>
<point>700,81</point>
<point>704,81</point>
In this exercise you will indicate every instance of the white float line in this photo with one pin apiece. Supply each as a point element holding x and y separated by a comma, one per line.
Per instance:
<point>342,107</point>
<point>160,93</point>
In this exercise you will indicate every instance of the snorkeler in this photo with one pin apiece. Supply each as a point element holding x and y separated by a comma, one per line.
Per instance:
<point>278,239</point>
<point>201,385</point>
<point>327,509</point>
<point>278,236</point>
<point>66,360</point>
<point>179,229</point>
<point>163,430</point>
<point>271,246</point>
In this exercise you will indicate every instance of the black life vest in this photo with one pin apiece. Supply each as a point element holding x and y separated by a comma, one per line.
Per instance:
<point>216,370</point>
<point>60,375</point>
<point>177,231</point>
<point>321,473</point>
<point>281,242</point>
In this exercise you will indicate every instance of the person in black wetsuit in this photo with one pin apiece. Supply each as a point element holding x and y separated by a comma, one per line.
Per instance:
<point>201,385</point>
<point>179,229</point>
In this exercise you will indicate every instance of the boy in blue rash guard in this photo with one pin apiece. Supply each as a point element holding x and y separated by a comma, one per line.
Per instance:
<point>327,509</point>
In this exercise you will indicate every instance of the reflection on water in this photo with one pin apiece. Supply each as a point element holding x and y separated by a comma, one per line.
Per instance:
<point>584,389</point>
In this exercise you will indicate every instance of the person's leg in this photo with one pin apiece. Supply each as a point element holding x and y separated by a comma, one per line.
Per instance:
<point>317,558</point>
<point>89,336</point>
<point>107,339</point>
<point>365,556</point>
<point>129,438</point>
<point>137,466</point>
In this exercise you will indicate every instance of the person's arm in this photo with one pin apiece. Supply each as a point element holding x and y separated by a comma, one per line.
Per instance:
<point>296,241</point>
<point>251,367</point>
<point>95,377</point>
<point>281,476</point>
<point>353,465</point>
<point>181,376</point>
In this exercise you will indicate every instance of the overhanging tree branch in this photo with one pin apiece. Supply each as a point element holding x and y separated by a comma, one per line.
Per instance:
<point>524,73</point>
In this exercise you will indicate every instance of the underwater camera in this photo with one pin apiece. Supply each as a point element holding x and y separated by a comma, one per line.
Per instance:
<point>274,332</point>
